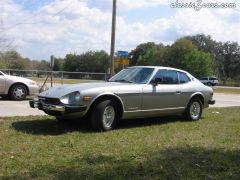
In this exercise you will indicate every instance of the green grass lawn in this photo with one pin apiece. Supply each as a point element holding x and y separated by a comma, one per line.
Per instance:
<point>37,147</point>
<point>226,90</point>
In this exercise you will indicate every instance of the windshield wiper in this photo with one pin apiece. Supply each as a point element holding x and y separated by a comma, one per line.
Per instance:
<point>124,81</point>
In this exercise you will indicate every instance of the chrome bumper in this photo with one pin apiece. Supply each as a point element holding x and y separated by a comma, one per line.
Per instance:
<point>58,108</point>
<point>211,102</point>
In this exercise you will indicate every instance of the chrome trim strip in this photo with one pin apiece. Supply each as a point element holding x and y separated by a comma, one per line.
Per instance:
<point>53,107</point>
<point>154,110</point>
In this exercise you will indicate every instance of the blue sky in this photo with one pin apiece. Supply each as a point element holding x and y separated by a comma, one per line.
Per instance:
<point>41,28</point>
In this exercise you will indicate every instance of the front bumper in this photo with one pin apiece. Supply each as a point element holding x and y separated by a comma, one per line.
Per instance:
<point>33,90</point>
<point>211,102</point>
<point>56,108</point>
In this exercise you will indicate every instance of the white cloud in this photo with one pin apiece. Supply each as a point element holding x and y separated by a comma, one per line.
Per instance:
<point>79,28</point>
<point>129,4</point>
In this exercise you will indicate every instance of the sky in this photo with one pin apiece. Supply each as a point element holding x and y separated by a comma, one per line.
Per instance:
<point>38,29</point>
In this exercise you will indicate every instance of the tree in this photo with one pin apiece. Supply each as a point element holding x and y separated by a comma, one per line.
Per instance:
<point>154,56</point>
<point>86,62</point>
<point>13,60</point>
<point>228,57</point>
<point>203,42</point>
<point>43,65</point>
<point>140,50</point>
<point>58,64</point>
<point>184,55</point>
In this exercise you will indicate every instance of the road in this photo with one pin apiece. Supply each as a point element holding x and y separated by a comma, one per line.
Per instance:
<point>226,100</point>
<point>17,108</point>
<point>21,108</point>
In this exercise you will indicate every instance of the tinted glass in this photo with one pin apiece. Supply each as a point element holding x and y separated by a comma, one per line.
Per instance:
<point>204,79</point>
<point>167,76</point>
<point>134,75</point>
<point>212,78</point>
<point>183,78</point>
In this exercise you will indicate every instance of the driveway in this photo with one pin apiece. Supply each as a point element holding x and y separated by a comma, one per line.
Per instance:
<point>21,108</point>
<point>17,108</point>
<point>226,100</point>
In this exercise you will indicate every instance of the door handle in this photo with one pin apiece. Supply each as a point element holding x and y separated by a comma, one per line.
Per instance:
<point>178,92</point>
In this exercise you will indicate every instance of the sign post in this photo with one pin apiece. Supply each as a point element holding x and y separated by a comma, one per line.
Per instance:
<point>51,66</point>
<point>122,58</point>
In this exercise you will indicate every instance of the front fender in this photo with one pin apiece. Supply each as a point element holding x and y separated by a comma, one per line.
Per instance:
<point>104,96</point>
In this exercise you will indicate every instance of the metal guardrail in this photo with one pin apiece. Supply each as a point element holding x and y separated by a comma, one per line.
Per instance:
<point>61,75</point>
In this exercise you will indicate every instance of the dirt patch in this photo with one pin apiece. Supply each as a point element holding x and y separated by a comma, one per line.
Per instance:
<point>1,122</point>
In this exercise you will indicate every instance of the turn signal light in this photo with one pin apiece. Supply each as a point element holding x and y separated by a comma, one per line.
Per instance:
<point>86,98</point>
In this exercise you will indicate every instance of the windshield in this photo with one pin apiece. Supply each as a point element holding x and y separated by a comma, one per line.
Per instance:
<point>133,75</point>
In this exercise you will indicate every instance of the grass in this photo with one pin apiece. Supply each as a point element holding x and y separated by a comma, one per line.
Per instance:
<point>226,90</point>
<point>37,147</point>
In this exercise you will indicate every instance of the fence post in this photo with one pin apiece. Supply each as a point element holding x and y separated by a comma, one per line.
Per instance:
<point>62,78</point>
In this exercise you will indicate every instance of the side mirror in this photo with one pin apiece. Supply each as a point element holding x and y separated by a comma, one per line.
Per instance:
<point>156,81</point>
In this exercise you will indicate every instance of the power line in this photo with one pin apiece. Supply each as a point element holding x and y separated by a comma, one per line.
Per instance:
<point>24,23</point>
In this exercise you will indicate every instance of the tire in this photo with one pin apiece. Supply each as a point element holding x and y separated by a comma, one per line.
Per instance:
<point>194,110</point>
<point>104,116</point>
<point>18,92</point>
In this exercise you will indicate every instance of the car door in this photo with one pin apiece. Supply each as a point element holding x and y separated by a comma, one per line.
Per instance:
<point>2,83</point>
<point>165,97</point>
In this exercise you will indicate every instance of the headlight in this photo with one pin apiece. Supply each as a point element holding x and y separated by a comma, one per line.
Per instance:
<point>72,98</point>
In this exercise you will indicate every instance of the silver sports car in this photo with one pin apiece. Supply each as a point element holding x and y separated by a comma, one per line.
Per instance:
<point>135,92</point>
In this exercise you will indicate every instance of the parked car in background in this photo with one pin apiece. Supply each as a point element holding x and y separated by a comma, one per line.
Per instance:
<point>210,81</point>
<point>135,92</point>
<point>17,88</point>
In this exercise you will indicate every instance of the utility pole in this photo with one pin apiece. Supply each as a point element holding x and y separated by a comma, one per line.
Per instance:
<point>111,64</point>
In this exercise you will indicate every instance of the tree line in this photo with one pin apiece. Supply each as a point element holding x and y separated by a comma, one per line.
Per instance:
<point>199,54</point>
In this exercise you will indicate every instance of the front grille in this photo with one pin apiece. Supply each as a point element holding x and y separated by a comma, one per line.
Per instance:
<point>53,101</point>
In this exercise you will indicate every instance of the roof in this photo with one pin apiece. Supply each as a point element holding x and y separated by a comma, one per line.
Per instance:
<point>160,67</point>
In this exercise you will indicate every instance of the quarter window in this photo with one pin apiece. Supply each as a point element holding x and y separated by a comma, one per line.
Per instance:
<point>183,78</point>
<point>167,76</point>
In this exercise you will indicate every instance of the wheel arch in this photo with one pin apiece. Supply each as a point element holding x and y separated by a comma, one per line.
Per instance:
<point>114,98</point>
<point>199,96</point>
<point>18,83</point>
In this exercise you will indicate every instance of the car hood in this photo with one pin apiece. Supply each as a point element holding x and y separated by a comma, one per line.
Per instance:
<point>60,91</point>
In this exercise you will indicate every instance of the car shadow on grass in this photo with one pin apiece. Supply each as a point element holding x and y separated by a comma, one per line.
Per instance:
<point>50,126</point>
<point>164,163</point>
<point>53,127</point>
<point>141,122</point>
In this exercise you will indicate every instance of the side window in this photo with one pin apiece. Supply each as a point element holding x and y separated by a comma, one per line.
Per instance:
<point>167,76</point>
<point>1,74</point>
<point>183,78</point>
<point>204,78</point>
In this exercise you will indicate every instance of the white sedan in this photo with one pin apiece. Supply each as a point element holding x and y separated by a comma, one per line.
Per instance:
<point>17,88</point>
